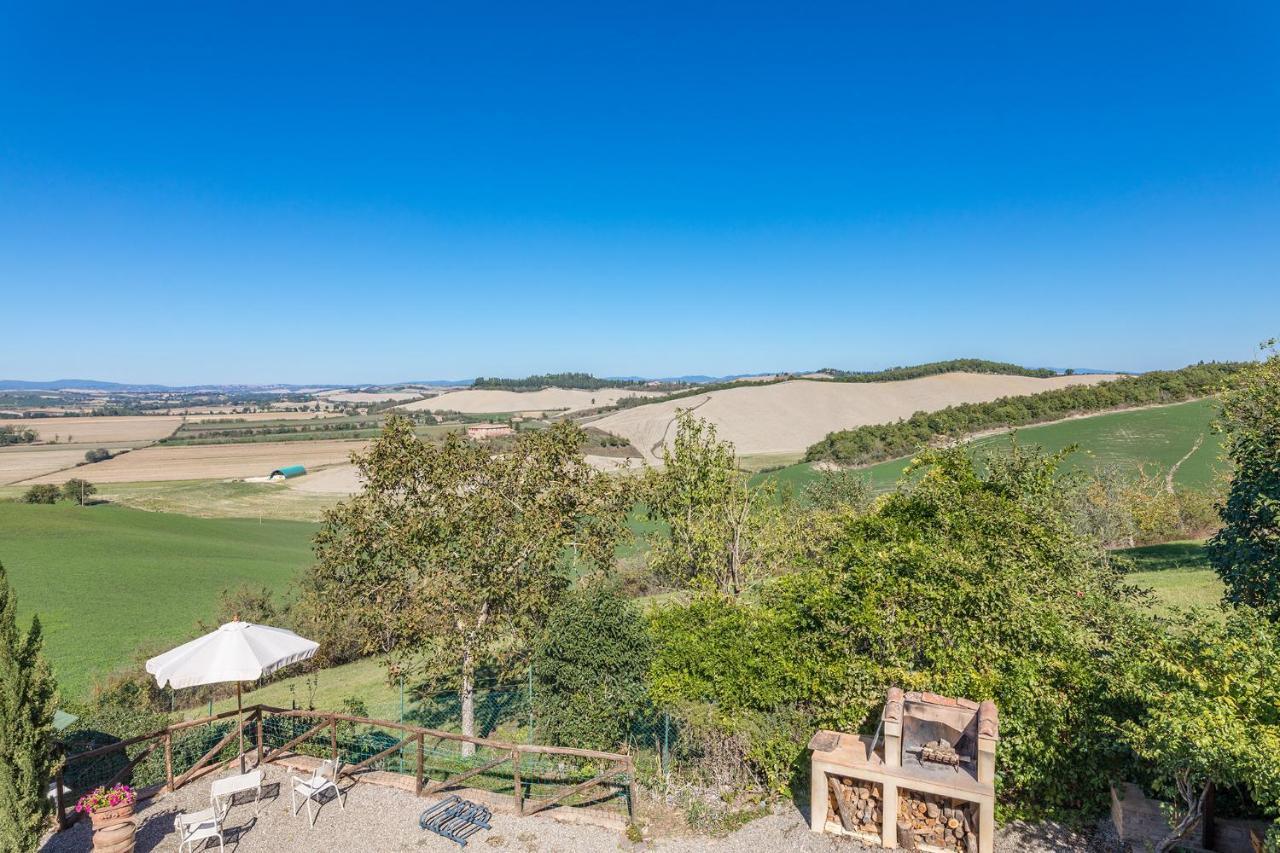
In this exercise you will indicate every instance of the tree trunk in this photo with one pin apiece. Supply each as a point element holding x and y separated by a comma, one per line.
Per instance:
<point>467,693</point>
<point>1195,810</point>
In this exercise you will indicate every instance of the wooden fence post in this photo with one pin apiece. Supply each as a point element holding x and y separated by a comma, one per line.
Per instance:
<point>515,778</point>
<point>422,768</point>
<point>260,713</point>
<point>632,789</point>
<point>333,737</point>
<point>57,800</point>
<point>168,759</point>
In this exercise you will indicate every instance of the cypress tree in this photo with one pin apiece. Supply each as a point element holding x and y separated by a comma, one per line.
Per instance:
<point>27,757</point>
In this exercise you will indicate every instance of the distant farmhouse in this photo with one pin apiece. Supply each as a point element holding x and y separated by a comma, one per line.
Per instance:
<point>480,432</point>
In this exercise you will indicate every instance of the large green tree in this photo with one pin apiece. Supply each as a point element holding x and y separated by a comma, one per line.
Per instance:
<point>1246,551</point>
<point>720,533</point>
<point>27,757</point>
<point>78,491</point>
<point>451,550</point>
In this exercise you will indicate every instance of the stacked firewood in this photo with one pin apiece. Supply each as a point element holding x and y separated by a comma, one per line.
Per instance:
<point>857,803</point>
<point>937,821</point>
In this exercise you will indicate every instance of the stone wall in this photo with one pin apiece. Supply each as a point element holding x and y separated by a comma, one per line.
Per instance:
<point>1140,821</point>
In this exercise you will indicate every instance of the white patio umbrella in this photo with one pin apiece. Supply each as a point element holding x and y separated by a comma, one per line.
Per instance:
<point>237,651</point>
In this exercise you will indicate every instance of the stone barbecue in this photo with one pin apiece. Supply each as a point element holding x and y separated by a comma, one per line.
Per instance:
<point>924,781</point>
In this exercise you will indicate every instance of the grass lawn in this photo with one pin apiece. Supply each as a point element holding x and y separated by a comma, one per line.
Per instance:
<point>108,581</point>
<point>1177,572</point>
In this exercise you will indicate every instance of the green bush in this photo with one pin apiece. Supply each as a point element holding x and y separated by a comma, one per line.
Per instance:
<point>42,494</point>
<point>1246,552</point>
<point>965,585</point>
<point>590,663</point>
<point>1208,694</point>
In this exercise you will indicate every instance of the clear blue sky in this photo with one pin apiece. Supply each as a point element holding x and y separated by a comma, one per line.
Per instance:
<point>265,192</point>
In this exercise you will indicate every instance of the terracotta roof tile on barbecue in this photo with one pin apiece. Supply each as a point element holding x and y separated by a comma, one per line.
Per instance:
<point>893,705</point>
<point>988,720</point>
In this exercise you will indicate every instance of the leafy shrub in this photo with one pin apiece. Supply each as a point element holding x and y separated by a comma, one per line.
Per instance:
<point>1209,698</point>
<point>839,489</point>
<point>590,662</point>
<point>1122,511</point>
<point>963,584</point>
<point>742,750</point>
<point>111,719</point>
<point>46,493</point>
<point>100,454</point>
<point>1246,552</point>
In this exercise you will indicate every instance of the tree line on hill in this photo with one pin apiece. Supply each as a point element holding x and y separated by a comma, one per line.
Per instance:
<point>584,381</point>
<point>865,445</point>
<point>972,578</point>
<point>16,435</point>
<point>955,365</point>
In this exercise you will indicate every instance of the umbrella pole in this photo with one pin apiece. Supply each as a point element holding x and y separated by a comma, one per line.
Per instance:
<point>240,723</point>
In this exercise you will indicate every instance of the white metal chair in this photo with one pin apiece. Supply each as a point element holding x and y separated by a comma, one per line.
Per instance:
<point>314,785</point>
<point>200,826</point>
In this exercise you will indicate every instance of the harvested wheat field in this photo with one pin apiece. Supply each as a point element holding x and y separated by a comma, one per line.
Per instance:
<point>485,401</point>
<point>790,416</point>
<point>101,431</point>
<point>211,461</point>
<point>26,461</point>
<point>335,480</point>
<point>370,396</point>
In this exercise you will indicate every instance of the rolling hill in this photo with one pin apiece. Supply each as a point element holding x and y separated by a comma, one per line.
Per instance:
<point>785,418</point>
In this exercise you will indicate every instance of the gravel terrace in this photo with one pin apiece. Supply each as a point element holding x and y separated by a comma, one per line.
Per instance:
<point>378,818</point>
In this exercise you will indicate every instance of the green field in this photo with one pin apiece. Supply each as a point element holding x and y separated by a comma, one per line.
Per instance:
<point>1153,439</point>
<point>1177,572</point>
<point>109,581</point>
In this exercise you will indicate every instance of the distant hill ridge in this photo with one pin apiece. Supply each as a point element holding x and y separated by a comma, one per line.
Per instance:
<point>575,380</point>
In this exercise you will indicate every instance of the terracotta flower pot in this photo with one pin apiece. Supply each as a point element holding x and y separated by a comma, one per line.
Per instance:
<point>113,829</point>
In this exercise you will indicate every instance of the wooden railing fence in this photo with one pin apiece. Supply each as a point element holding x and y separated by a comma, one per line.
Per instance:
<point>616,766</point>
